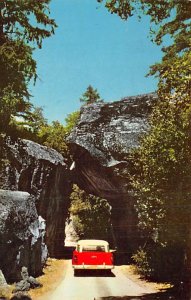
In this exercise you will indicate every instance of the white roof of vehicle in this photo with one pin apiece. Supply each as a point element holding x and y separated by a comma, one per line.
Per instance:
<point>92,242</point>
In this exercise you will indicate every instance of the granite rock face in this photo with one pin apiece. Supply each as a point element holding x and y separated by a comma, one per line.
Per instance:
<point>109,130</point>
<point>42,172</point>
<point>101,143</point>
<point>21,235</point>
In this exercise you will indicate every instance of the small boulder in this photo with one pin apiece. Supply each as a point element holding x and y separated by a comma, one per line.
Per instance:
<point>24,273</point>
<point>22,285</point>
<point>34,283</point>
<point>21,296</point>
<point>27,282</point>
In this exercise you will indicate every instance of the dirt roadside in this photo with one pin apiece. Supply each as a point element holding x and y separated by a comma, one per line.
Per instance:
<point>53,274</point>
<point>130,272</point>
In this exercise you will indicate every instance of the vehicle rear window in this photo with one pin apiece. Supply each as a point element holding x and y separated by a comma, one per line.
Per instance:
<point>93,248</point>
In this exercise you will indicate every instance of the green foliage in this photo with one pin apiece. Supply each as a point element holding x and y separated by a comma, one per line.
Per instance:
<point>22,25</point>
<point>122,8</point>
<point>19,21</point>
<point>71,121</point>
<point>36,128</point>
<point>27,127</point>
<point>34,121</point>
<point>37,120</point>
<point>91,95</point>
<point>174,70</point>
<point>164,263</point>
<point>162,182</point>
<point>141,259</point>
<point>91,215</point>
<point>54,136</point>
<point>163,162</point>
<point>17,68</point>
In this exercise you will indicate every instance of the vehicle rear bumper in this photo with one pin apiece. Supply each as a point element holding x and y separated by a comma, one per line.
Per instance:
<point>93,267</point>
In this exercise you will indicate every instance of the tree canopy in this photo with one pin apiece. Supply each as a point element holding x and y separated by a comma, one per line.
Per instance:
<point>71,121</point>
<point>55,134</point>
<point>161,182</point>
<point>91,215</point>
<point>19,20</point>
<point>23,25</point>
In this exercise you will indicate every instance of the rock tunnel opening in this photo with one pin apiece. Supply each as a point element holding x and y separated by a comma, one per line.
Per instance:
<point>102,182</point>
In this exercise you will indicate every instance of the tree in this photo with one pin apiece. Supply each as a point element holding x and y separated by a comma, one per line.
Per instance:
<point>91,95</point>
<point>162,183</point>
<point>17,68</point>
<point>90,214</point>
<point>54,136</point>
<point>35,120</point>
<point>71,121</point>
<point>23,24</point>
<point>28,128</point>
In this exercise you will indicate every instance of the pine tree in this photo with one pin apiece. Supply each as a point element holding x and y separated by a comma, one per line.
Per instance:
<point>91,95</point>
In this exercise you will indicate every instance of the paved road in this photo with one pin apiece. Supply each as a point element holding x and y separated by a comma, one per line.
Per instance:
<point>94,286</point>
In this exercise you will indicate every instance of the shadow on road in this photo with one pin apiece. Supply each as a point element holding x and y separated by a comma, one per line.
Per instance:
<point>94,273</point>
<point>67,252</point>
<point>166,295</point>
<point>122,258</point>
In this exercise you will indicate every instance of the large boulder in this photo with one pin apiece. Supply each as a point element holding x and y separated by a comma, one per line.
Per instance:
<point>108,131</point>
<point>101,144</point>
<point>22,234</point>
<point>42,172</point>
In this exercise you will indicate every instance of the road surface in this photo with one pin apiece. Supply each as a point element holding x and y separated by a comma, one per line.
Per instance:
<point>95,286</point>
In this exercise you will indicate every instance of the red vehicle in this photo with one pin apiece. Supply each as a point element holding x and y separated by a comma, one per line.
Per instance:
<point>92,254</point>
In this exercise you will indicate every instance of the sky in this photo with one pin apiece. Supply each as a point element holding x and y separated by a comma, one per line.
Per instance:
<point>91,46</point>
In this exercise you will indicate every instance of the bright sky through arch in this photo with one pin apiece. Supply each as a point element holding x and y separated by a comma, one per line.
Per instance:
<point>91,46</point>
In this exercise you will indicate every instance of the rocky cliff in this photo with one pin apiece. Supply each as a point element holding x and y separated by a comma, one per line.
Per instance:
<point>101,144</point>
<point>29,167</point>
<point>22,234</point>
